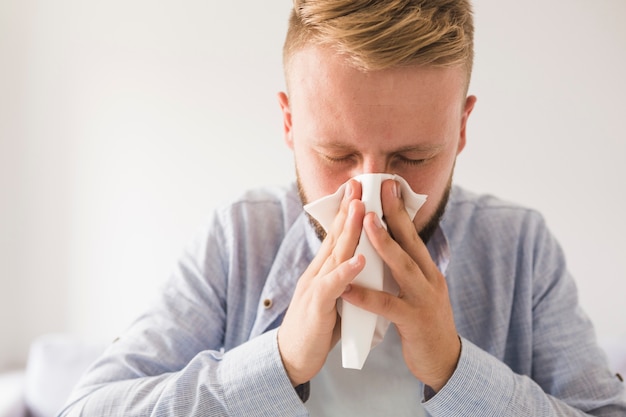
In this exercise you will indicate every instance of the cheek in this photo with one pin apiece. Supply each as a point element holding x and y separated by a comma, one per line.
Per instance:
<point>316,179</point>
<point>433,182</point>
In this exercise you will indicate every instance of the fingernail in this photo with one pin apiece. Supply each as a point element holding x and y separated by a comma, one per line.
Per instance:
<point>396,189</point>
<point>354,261</point>
<point>348,191</point>
<point>348,288</point>
<point>377,221</point>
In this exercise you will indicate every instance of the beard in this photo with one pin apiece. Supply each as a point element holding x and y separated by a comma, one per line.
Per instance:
<point>425,233</point>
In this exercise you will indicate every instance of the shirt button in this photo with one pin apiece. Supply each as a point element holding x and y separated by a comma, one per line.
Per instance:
<point>267,303</point>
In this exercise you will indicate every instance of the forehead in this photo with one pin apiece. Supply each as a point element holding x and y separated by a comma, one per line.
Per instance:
<point>328,97</point>
<point>321,64</point>
<point>318,71</point>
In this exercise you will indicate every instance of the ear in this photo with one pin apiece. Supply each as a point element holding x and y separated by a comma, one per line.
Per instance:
<point>470,101</point>
<point>283,101</point>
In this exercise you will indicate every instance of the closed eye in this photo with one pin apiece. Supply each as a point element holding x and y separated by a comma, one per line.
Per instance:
<point>338,159</point>
<point>410,161</point>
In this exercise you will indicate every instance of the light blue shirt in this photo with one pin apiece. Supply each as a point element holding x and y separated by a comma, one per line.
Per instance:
<point>208,347</point>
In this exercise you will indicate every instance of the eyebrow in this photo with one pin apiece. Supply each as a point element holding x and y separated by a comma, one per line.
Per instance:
<point>427,148</point>
<point>420,148</point>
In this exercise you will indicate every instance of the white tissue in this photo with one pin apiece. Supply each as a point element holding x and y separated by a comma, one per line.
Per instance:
<point>361,330</point>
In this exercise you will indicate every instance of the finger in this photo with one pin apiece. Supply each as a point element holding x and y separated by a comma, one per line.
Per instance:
<point>352,191</point>
<point>394,212</point>
<point>348,240</point>
<point>403,230</point>
<point>378,302</point>
<point>346,230</point>
<point>332,285</point>
<point>404,269</point>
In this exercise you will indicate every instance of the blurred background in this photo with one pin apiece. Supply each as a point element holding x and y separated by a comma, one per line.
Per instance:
<point>123,123</point>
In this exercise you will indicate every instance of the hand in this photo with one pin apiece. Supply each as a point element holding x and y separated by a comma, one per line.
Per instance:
<point>422,311</point>
<point>310,328</point>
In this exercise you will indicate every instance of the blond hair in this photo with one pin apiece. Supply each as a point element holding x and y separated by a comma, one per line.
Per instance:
<point>379,34</point>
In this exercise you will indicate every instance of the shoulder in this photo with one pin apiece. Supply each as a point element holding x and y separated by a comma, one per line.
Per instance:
<point>485,214</point>
<point>248,229</point>
<point>259,216</point>
<point>468,202</point>
<point>263,206</point>
<point>466,205</point>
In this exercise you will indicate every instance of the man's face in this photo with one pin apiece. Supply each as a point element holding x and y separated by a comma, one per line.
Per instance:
<point>341,122</point>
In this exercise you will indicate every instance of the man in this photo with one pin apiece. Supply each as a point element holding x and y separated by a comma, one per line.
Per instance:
<point>486,321</point>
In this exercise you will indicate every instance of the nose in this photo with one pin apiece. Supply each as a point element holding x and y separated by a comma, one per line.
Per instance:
<point>373,164</point>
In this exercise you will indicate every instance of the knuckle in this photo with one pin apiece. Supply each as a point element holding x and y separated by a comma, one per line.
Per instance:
<point>333,259</point>
<point>386,304</point>
<point>409,267</point>
<point>330,240</point>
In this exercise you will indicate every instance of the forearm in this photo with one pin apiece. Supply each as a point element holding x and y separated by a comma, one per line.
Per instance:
<point>247,380</point>
<point>482,385</point>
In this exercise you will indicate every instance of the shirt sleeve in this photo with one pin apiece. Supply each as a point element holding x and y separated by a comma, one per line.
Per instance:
<point>247,380</point>
<point>569,374</point>
<point>485,386</point>
<point>180,358</point>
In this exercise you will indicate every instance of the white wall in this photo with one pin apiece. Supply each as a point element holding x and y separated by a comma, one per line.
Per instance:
<point>120,120</point>
<point>548,132</point>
